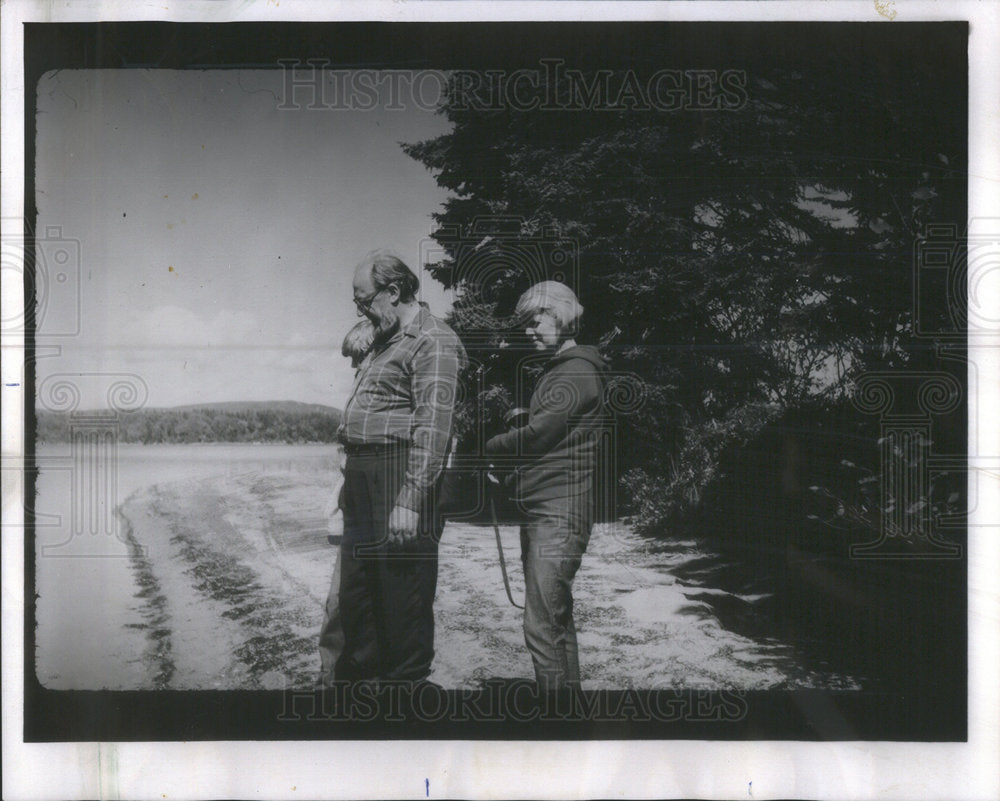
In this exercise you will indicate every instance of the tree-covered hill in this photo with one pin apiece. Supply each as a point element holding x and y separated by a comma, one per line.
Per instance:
<point>237,421</point>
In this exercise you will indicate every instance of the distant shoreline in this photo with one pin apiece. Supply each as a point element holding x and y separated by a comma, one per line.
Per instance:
<point>288,422</point>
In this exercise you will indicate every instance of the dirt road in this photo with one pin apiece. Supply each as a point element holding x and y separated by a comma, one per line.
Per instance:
<point>237,568</point>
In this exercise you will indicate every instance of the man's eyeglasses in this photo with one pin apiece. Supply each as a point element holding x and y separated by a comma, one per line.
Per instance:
<point>366,304</point>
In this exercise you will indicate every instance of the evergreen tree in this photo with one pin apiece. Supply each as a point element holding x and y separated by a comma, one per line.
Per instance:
<point>743,260</point>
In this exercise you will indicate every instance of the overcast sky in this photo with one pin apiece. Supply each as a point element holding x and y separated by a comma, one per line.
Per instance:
<point>217,233</point>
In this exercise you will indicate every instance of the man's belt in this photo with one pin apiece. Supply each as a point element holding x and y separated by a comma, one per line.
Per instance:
<point>374,448</point>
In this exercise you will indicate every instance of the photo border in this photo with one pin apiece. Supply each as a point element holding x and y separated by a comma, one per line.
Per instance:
<point>544,768</point>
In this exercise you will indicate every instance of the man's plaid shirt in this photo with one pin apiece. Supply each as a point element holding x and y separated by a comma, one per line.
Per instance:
<point>405,391</point>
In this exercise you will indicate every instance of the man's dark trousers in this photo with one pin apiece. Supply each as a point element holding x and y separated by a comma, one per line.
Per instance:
<point>386,591</point>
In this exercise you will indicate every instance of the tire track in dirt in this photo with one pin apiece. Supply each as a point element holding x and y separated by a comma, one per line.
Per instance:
<point>157,656</point>
<point>272,652</point>
<point>197,642</point>
<point>212,622</point>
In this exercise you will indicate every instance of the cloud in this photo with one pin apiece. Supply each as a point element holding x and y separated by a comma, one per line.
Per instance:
<point>179,375</point>
<point>165,326</point>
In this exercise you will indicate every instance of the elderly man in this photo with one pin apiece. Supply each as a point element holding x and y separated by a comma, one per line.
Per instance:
<point>396,431</point>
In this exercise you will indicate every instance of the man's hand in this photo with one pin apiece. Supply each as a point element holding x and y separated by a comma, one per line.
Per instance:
<point>403,525</point>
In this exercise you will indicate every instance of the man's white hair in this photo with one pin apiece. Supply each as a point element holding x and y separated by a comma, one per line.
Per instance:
<point>553,297</point>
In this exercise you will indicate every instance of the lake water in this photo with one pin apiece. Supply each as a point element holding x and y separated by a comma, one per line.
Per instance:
<point>88,622</point>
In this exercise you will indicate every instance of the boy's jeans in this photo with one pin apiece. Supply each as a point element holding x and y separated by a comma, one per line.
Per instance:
<point>552,546</point>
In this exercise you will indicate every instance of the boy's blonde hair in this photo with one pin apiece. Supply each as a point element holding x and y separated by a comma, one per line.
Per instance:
<point>553,297</point>
<point>358,341</point>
